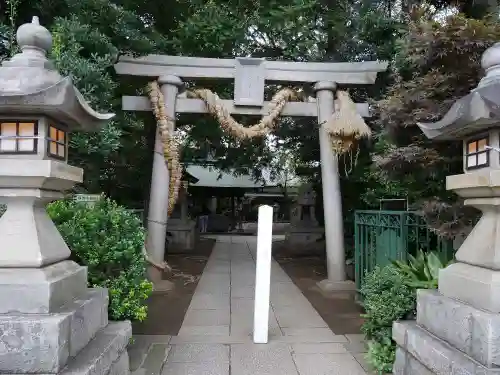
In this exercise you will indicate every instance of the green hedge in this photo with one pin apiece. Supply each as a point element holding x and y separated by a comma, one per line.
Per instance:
<point>386,298</point>
<point>108,239</point>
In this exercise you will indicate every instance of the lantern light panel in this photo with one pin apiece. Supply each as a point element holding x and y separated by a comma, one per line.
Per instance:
<point>477,153</point>
<point>18,137</point>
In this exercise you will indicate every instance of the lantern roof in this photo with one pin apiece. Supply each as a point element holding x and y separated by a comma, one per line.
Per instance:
<point>476,112</point>
<point>30,84</point>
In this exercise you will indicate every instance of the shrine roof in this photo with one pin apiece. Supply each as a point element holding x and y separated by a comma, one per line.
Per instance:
<point>209,176</point>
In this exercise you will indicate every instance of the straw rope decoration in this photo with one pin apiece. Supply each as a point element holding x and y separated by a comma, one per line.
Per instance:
<point>345,128</point>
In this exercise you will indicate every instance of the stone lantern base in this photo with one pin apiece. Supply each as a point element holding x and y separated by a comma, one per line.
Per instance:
<point>449,337</point>
<point>457,330</point>
<point>51,323</point>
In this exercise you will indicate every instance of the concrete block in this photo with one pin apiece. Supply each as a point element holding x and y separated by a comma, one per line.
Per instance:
<point>43,343</point>
<point>448,319</point>
<point>426,352</point>
<point>399,333</point>
<point>41,290</point>
<point>414,367</point>
<point>485,343</point>
<point>473,331</point>
<point>104,352</point>
<point>36,344</point>
<point>477,286</point>
<point>88,315</point>
<point>399,367</point>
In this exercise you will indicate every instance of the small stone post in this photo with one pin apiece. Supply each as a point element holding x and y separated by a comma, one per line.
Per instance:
<point>263,275</point>
<point>50,322</point>
<point>158,203</point>
<point>457,330</point>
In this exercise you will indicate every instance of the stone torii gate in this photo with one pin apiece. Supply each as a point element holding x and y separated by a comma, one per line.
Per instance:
<point>250,76</point>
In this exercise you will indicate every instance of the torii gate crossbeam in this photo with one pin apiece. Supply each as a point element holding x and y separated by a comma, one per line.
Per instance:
<point>250,76</point>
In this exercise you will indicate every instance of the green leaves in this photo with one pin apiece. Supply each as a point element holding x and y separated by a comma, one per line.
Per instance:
<point>386,297</point>
<point>108,239</point>
<point>421,271</point>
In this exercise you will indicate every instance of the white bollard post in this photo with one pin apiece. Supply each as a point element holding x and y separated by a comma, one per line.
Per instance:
<point>263,275</point>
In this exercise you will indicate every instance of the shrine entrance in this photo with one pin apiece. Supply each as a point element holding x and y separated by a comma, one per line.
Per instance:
<point>167,98</point>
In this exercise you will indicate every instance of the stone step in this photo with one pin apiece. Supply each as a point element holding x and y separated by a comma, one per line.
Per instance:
<point>473,331</point>
<point>106,354</point>
<point>43,343</point>
<point>421,353</point>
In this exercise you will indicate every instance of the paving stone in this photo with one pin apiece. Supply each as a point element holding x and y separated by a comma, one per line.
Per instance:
<point>240,282</point>
<point>299,318</point>
<point>355,337</point>
<point>210,328</point>
<point>285,288</point>
<point>212,339</point>
<point>247,331</point>
<point>150,339</point>
<point>215,278</point>
<point>243,292</point>
<point>356,347</point>
<point>121,366</point>
<point>216,368</point>
<point>318,334</point>
<point>138,350</point>
<point>155,358</point>
<point>220,254</point>
<point>219,269</point>
<point>206,318</point>
<point>204,330</point>
<point>324,348</point>
<point>242,317</point>
<point>327,364</point>
<point>202,301</point>
<point>200,353</point>
<point>270,359</point>
<point>361,358</point>
<point>213,288</point>
<point>283,304</point>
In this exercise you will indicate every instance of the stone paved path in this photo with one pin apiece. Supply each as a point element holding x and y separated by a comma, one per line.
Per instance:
<point>216,335</point>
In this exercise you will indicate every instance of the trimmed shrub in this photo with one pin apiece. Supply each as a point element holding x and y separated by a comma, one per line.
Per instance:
<point>108,239</point>
<point>387,297</point>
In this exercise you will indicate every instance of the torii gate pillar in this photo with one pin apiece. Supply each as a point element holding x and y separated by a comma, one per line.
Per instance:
<point>332,198</point>
<point>170,86</point>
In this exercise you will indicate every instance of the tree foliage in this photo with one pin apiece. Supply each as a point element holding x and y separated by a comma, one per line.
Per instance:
<point>438,62</point>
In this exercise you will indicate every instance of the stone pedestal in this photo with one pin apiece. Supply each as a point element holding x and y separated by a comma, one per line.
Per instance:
<point>449,337</point>
<point>457,330</point>
<point>304,228</point>
<point>51,323</point>
<point>183,235</point>
<point>301,235</point>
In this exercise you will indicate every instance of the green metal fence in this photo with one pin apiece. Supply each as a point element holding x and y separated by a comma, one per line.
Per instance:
<point>382,236</point>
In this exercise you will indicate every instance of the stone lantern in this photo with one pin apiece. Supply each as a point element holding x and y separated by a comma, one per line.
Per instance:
<point>457,330</point>
<point>50,322</point>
